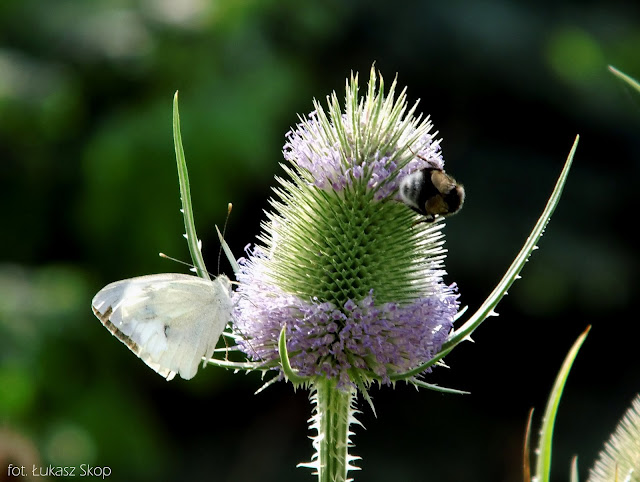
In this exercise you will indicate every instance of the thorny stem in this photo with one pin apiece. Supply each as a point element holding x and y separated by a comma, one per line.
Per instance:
<point>333,413</point>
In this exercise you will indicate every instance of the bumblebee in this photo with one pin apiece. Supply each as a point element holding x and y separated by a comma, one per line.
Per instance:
<point>431,192</point>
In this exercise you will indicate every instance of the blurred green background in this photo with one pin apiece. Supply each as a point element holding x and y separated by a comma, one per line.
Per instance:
<point>90,195</point>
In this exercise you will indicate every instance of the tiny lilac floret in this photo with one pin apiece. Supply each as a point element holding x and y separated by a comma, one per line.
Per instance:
<point>327,341</point>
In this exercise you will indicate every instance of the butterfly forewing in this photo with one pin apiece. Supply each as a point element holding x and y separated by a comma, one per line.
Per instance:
<point>171,321</point>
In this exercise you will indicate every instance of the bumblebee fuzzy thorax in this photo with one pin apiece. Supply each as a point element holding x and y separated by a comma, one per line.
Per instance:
<point>432,192</point>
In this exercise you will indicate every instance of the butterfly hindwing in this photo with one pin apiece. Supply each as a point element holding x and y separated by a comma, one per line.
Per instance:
<point>171,321</point>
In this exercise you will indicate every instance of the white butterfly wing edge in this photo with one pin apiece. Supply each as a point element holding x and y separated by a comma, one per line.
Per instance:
<point>171,321</point>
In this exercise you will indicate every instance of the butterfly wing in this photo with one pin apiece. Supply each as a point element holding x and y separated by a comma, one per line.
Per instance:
<point>171,321</point>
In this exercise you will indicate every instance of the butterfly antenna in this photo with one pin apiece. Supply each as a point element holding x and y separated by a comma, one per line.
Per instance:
<point>244,337</point>
<point>191,267</point>
<point>246,340</point>
<point>419,156</point>
<point>224,230</point>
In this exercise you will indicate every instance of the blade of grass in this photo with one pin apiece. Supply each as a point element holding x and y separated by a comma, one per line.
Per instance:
<point>526,451</point>
<point>543,465</point>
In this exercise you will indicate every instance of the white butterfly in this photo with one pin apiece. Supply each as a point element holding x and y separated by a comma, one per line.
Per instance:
<point>171,321</point>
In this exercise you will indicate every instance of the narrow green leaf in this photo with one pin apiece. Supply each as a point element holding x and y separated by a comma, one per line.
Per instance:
<point>228,253</point>
<point>543,465</point>
<point>284,359</point>
<point>574,469</point>
<point>355,376</point>
<point>423,367</point>
<point>624,77</point>
<point>518,263</point>
<point>236,365</point>
<point>526,450</point>
<point>185,195</point>
<point>437,388</point>
<point>511,275</point>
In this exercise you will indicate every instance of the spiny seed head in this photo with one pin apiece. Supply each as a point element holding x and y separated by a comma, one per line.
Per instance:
<point>350,269</point>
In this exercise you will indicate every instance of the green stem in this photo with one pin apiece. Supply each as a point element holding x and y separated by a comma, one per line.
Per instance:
<point>332,417</point>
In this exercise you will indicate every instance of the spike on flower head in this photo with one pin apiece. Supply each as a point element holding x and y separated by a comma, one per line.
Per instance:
<point>350,270</point>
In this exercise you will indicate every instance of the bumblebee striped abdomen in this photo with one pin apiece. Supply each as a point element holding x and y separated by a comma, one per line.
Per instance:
<point>432,192</point>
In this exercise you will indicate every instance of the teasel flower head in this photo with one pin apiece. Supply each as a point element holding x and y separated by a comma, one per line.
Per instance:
<point>620,458</point>
<point>350,272</point>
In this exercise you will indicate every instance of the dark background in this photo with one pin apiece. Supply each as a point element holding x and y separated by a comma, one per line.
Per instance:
<point>90,195</point>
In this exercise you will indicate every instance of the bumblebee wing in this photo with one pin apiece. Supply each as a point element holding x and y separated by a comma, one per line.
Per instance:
<point>171,321</point>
